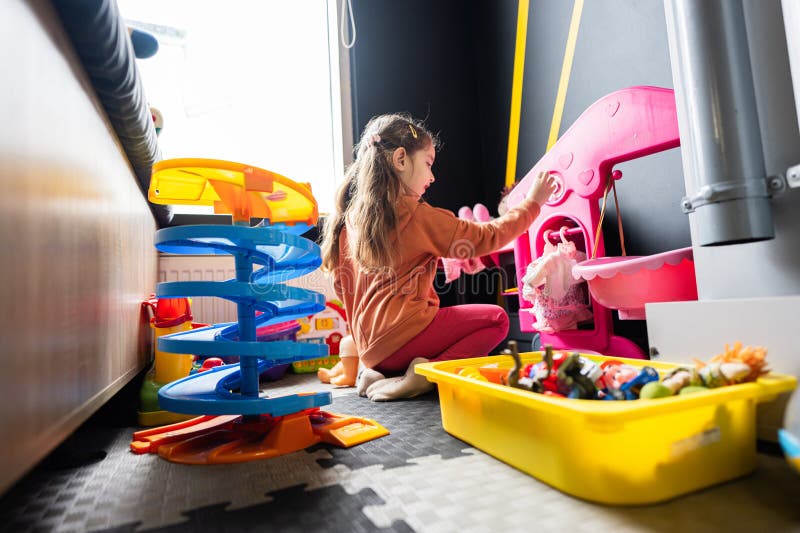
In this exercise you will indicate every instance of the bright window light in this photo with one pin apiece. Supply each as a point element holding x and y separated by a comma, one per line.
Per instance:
<point>251,81</point>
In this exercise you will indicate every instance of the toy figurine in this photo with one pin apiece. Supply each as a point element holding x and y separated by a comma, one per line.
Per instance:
<point>513,376</point>
<point>677,379</point>
<point>529,378</point>
<point>572,381</point>
<point>632,387</point>
<point>615,373</point>
<point>578,377</point>
<point>674,382</point>
<point>737,364</point>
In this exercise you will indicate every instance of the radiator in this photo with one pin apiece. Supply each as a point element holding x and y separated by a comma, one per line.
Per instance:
<point>220,268</point>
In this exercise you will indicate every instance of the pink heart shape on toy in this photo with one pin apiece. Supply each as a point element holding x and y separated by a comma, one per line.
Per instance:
<point>565,160</point>
<point>586,176</point>
<point>612,108</point>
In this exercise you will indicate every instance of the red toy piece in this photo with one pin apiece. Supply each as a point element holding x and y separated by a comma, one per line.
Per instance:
<point>210,363</point>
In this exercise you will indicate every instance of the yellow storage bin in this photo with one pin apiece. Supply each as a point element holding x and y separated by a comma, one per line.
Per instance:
<point>612,452</point>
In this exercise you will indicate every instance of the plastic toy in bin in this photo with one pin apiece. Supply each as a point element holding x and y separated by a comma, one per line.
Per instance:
<point>559,374</point>
<point>571,375</point>
<point>329,326</point>
<point>577,377</point>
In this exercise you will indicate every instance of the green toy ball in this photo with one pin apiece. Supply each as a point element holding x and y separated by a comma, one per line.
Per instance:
<point>654,389</point>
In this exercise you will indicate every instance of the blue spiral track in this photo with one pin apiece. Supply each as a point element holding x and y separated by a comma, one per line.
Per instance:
<point>262,299</point>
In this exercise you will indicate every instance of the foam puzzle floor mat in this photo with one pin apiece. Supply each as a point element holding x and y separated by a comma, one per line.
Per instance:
<point>418,478</point>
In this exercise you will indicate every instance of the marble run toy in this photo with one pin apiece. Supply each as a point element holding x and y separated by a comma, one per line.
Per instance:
<point>238,423</point>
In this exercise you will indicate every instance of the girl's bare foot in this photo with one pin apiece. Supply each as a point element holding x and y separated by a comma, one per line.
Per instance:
<point>344,373</point>
<point>349,371</point>
<point>325,374</point>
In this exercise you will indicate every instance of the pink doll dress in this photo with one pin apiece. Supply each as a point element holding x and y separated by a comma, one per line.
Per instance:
<point>559,301</point>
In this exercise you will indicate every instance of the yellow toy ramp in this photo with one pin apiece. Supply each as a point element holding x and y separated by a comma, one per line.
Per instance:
<point>243,191</point>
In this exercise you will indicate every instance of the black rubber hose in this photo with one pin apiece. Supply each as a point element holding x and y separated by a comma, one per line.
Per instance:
<point>101,41</point>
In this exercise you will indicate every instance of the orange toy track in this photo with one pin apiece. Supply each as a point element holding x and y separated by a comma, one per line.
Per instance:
<point>235,439</point>
<point>242,191</point>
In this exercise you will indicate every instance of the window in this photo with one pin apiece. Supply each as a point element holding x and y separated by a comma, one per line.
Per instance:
<point>251,81</point>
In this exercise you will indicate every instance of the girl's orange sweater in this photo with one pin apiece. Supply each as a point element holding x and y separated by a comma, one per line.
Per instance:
<point>388,308</point>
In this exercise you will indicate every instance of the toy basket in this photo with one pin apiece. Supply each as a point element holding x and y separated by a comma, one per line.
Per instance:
<point>612,452</point>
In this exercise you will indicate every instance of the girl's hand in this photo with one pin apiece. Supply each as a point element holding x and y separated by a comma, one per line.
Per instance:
<point>543,186</point>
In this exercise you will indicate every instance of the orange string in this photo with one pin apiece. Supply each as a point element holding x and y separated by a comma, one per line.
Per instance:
<point>619,218</point>
<point>610,184</point>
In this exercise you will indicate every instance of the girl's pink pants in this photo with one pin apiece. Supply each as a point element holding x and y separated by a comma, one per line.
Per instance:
<point>456,332</point>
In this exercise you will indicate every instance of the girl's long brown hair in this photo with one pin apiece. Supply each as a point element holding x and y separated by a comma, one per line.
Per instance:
<point>367,200</point>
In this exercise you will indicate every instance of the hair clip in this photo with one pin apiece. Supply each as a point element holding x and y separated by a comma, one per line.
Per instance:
<point>413,131</point>
<point>375,139</point>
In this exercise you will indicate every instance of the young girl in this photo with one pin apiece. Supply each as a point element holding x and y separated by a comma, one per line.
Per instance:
<point>382,246</point>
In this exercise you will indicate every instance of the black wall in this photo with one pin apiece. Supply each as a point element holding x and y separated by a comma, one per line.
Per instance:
<point>439,61</point>
<point>452,62</point>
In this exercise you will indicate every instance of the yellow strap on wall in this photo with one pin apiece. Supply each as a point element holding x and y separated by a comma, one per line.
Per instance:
<point>566,69</point>
<point>516,92</point>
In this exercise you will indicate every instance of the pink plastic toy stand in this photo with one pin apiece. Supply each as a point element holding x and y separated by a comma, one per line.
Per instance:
<point>627,283</point>
<point>624,125</point>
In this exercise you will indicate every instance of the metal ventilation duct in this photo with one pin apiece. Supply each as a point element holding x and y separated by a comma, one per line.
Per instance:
<point>720,136</point>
